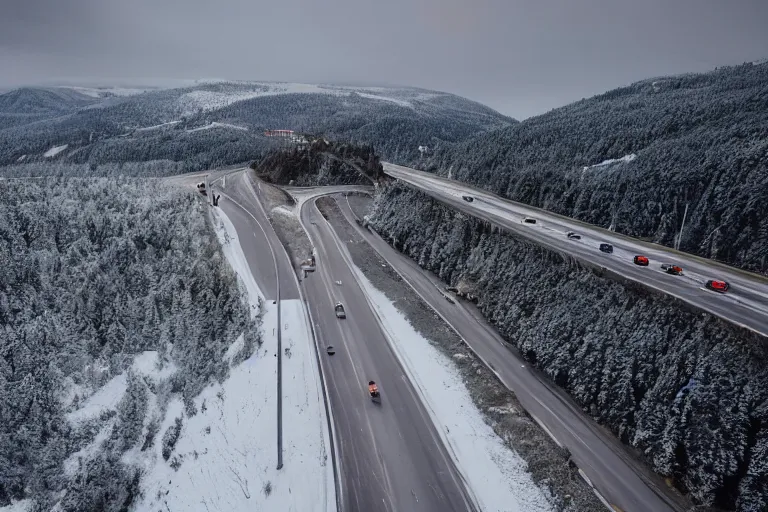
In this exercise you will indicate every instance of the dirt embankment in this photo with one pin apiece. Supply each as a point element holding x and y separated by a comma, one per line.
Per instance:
<point>283,215</point>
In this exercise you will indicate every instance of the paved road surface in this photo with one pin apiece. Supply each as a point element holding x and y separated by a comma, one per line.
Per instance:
<point>746,304</point>
<point>252,225</point>
<point>598,453</point>
<point>391,457</point>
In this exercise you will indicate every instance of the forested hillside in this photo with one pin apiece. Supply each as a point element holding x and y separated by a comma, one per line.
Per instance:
<point>634,157</point>
<point>321,163</point>
<point>219,124</point>
<point>685,388</point>
<point>97,275</point>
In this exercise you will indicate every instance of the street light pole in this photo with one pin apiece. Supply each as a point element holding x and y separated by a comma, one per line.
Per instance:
<point>680,236</point>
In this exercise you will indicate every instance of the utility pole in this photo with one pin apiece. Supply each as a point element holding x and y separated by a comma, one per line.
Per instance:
<point>680,236</point>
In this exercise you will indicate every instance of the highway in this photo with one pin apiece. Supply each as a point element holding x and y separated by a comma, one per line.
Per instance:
<point>617,476</point>
<point>249,218</point>
<point>391,457</point>
<point>745,304</point>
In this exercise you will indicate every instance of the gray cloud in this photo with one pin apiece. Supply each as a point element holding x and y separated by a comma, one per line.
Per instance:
<point>522,57</point>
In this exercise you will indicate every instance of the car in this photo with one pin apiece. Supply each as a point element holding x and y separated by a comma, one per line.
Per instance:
<point>718,286</point>
<point>339,309</point>
<point>529,220</point>
<point>641,260</point>
<point>330,350</point>
<point>573,236</point>
<point>606,248</point>
<point>670,268</point>
<point>468,199</point>
<point>449,299</point>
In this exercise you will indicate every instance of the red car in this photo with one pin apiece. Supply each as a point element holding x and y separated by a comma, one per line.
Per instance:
<point>641,260</point>
<point>718,286</point>
<point>669,268</point>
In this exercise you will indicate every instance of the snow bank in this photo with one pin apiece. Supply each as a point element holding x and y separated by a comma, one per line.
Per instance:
<point>55,151</point>
<point>284,210</point>
<point>105,399</point>
<point>17,506</point>
<point>226,456</point>
<point>149,366</point>
<point>625,158</point>
<point>497,476</point>
<point>230,244</point>
<point>108,396</point>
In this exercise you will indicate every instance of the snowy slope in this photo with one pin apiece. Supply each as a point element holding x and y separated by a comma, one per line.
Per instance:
<point>228,450</point>
<point>55,151</point>
<point>103,92</point>
<point>625,158</point>
<point>215,96</point>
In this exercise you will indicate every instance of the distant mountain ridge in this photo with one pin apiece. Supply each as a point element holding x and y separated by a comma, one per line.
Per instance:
<point>634,157</point>
<point>103,125</point>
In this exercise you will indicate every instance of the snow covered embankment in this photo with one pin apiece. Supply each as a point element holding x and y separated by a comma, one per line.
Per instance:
<point>228,451</point>
<point>496,476</point>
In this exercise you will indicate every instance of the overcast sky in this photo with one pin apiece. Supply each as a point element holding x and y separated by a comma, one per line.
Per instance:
<point>522,57</point>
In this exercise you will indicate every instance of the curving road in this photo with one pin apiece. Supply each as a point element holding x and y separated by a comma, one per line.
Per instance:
<point>621,479</point>
<point>746,304</point>
<point>391,458</point>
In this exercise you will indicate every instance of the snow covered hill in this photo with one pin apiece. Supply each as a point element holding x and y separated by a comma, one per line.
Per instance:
<point>151,125</point>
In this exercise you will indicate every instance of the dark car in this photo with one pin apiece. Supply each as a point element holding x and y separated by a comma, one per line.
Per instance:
<point>529,220</point>
<point>718,286</point>
<point>468,199</point>
<point>669,268</point>
<point>606,248</point>
<point>573,236</point>
<point>641,260</point>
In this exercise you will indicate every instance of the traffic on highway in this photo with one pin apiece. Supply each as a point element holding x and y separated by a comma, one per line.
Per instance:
<point>732,294</point>
<point>389,454</point>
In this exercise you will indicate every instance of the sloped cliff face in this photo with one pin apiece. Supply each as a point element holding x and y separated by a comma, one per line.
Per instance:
<point>320,163</point>
<point>687,389</point>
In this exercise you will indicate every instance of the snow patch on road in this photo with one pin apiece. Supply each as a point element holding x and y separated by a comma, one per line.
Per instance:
<point>55,151</point>
<point>496,475</point>
<point>625,158</point>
